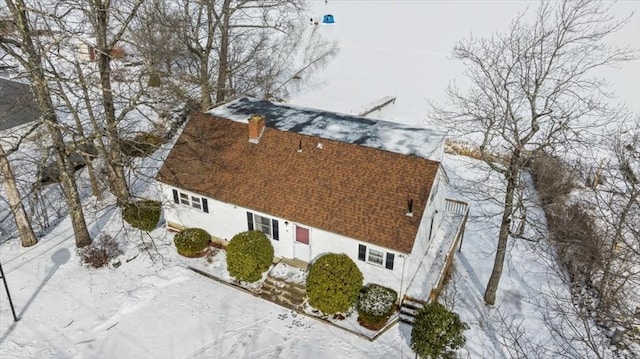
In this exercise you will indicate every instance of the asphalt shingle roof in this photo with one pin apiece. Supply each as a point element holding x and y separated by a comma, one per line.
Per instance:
<point>17,106</point>
<point>345,188</point>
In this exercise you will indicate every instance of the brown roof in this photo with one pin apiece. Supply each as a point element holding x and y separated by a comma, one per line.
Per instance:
<point>355,191</point>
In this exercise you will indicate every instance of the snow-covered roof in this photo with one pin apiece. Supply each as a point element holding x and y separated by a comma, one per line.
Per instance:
<point>394,137</point>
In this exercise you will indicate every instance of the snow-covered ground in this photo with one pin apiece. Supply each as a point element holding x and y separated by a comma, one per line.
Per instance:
<point>152,307</point>
<point>403,48</point>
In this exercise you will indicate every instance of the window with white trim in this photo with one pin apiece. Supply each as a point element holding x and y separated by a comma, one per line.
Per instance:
<point>266,225</point>
<point>199,203</point>
<point>263,224</point>
<point>376,257</point>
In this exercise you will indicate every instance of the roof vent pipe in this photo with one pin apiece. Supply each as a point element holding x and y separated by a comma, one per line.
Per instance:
<point>410,208</point>
<point>300,147</point>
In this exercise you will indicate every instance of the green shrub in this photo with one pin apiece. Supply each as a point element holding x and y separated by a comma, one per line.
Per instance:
<point>143,214</point>
<point>333,283</point>
<point>142,145</point>
<point>249,254</point>
<point>375,305</point>
<point>191,242</point>
<point>437,332</point>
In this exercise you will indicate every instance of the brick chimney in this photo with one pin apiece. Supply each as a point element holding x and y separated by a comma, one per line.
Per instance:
<point>256,127</point>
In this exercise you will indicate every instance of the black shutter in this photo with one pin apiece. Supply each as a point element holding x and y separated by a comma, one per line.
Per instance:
<point>205,205</point>
<point>250,221</point>
<point>362,251</point>
<point>389,263</point>
<point>276,231</point>
<point>175,196</point>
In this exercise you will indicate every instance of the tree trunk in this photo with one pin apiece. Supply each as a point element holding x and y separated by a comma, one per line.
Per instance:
<point>205,88</point>
<point>496,273</point>
<point>115,165</point>
<point>15,203</point>
<point>43,99</point>
<point>223,57</point>
<point>607,276</point>
<point>93,180</point>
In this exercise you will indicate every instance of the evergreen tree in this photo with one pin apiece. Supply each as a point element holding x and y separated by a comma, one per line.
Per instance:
<point>437,332</point>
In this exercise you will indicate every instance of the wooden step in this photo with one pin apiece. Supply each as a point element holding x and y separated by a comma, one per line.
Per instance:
<point>294,299</point>
<point>415,300</point>
<point>408,311</point>
<point>411,305</point>
<point>406,318</point>
<point>297,286</point>
<point>274,282</point>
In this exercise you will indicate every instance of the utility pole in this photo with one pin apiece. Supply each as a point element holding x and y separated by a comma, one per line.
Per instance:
<point>6,287</point>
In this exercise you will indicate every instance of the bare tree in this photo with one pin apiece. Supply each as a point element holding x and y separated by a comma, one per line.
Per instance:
<point>99,12</point>
<point>257,48</point>
<point>25,49</point>
<point>15,107</point>
<point>532,90</point>
<point>616,205</point>
<point>15,201</point>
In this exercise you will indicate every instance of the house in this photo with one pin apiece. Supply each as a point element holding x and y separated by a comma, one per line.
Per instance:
<point>313,181</point>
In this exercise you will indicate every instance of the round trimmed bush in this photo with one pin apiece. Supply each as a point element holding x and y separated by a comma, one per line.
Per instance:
<point>375,305</point>
<point>437,332</point>
<point>191,242</point>
<point>333,283</point>
<point>143,214</point>
<point>249,254</point>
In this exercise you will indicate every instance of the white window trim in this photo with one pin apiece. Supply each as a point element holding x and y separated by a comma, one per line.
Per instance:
<point>190,201</point>
<point>383,257</point>
<point>258,225</point>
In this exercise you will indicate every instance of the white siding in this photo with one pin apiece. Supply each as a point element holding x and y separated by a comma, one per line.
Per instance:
<point>431,221</point>
<point>224,220</point>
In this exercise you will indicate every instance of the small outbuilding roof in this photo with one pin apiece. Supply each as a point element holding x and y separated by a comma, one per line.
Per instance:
<point>17,105</point>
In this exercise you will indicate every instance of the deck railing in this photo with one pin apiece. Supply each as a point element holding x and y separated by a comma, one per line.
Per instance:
<point>456,207</point>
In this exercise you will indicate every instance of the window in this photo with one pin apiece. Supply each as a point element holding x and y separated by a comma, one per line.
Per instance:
<point>376,257</point>
<point>268,226</point>
<point>263,224</point>
<point>199,203</point>
<point>302,235</point>
<point>195,202</point>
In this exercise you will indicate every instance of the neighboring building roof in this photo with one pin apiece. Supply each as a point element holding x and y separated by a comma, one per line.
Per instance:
<point>17,105</point>
<point>356,191</point>
<point>384,135</point>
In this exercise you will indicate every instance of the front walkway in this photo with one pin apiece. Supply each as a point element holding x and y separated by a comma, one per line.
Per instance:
<point>285,284</point>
